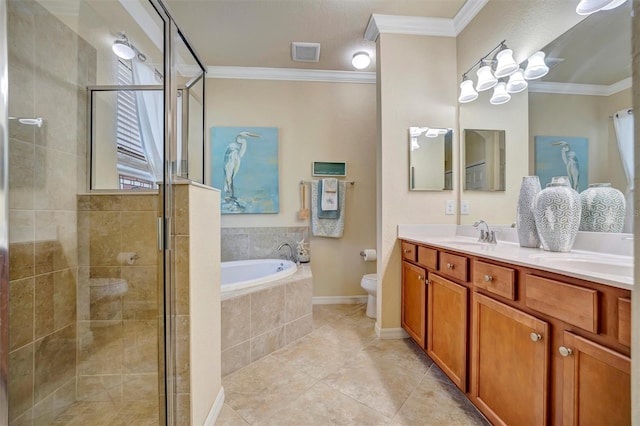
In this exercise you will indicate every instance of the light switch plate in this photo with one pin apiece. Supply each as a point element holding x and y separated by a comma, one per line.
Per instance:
<point>464,207</point>
<point>450,207</point>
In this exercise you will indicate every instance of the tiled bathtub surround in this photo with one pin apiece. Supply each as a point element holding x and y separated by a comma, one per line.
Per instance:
<point>256,324</point>
<point>260,243</point>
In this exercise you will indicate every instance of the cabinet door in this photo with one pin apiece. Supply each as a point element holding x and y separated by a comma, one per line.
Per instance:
<point>414,301</point>
<point>596,388</point>
<point>510,367</point>
<point>447,307</point>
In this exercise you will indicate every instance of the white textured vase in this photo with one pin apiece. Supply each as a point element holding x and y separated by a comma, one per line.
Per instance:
<point>525,218</point>
<point>557,214</point>
<point>603,208</point>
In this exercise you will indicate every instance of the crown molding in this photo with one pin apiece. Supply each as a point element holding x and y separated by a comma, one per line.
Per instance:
<point>291,74</point>
<point>579,89</point>
<point>426,26</point>
<point>466,14</point>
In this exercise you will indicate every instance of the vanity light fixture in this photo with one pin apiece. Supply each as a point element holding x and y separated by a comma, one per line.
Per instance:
<point>360,60</point>
<point>503,74</point>
<point>587,7</point>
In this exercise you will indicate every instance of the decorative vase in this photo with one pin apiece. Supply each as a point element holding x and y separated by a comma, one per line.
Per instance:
<point>525,218</point>
<point>603,208</point>
<point>557,214</point>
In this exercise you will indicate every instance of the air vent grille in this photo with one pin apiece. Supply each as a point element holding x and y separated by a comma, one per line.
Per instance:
<point>305,52</point>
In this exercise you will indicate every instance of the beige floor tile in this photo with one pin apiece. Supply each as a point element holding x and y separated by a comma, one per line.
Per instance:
<point>437,401</point>
<point>382,376</point>
<point>329,314</point>
<point>322,405</point>
<point>228,417</point>
<point>264,387</point>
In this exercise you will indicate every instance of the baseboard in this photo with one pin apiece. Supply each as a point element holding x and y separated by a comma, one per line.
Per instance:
<point>216,408</point>
<point>390,333</point>
<point>338,300</point>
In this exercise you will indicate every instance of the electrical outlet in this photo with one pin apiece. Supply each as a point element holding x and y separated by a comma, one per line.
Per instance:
<point>450,207</point>
<point>464,207</point>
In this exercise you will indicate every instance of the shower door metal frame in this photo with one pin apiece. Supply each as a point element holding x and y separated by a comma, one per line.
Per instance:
<point>4,218</point>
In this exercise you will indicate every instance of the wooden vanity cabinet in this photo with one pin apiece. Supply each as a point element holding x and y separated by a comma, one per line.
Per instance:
<point>510,363</point>
<point>447,325</point>
<point>414,302</point>
<point>596,385</point>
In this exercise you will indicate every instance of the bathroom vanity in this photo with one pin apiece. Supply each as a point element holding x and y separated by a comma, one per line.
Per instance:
<point>531,337</point>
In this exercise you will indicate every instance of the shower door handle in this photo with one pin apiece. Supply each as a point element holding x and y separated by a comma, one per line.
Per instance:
<point>160,234</point>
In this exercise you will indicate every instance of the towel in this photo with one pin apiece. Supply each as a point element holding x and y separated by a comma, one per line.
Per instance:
<point>329,194</point>
<point>320,227</point>
<point>328,214</point>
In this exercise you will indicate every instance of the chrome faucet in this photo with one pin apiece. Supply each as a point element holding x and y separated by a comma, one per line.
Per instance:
<point>291,256</point>
<point>486,236</point>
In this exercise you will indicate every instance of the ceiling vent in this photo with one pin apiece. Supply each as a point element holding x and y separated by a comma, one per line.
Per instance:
<point>305,52</point>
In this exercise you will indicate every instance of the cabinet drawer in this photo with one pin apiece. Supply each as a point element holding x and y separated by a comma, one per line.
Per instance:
<point>572,304</point>
<point>428,257</point>
<point>454,266</point>
<point>409,251</point>
<point>495,279</point>
<point>624,321</point>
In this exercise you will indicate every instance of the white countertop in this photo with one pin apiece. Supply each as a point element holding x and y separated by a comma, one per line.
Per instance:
<point>602,258</point>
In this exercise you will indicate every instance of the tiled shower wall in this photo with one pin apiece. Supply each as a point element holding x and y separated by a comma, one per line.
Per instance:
<point>118,302</point>
<point>46,170</point>
<point>260,243</point>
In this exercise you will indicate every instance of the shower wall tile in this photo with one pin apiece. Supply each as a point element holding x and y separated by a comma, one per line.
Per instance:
<point>181,213</point>
<point>101,347</point>
<point>183,355</point>
<point>140,346</point>
<point>46,411</point>
<point>55,361</point>
<point>21,312</point>
<point>44,309</point>
<point>54,170</point>
<point>64,298</point>
<point>139,203</point>
<point>182,274</point>
<point>54,36</point>
<point>139,236</point>
<point>183,409</point>
<point>21,174</point>
<point>60,228</point>
<point>235,324</point>
<point>100,388</point>
<point>267,310</point>
<point>140,387</point>
<point>20,381</point>
<point>22,227</point>
<point>59,130</point>
<point>140,300</point>
<point>44,257</point>
<point>21,260</point>
<point>104,238</point>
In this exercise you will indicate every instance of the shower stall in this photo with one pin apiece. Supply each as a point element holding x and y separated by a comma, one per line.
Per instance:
<point>92,140</point>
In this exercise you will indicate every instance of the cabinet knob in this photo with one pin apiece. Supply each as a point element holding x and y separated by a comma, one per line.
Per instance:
<point>420,278</point>
<point>488,278</point>
<point>450,265</point>
<point>565,351</point>
<point>406,251</point>
<point>535,337</point>
<point>427,282</point>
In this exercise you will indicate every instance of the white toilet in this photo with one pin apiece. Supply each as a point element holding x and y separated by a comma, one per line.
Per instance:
<point>370,283</point>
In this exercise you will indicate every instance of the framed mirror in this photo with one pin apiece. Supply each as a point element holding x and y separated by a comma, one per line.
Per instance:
<point>430,159</point>
<point>484,160</point>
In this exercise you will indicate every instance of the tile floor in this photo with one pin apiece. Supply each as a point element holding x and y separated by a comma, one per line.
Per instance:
<point>341,374</point>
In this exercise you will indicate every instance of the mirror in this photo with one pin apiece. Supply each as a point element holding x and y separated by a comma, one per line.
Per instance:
<point>484,160</point>
<point>430,159</point>
<point>588,83</point>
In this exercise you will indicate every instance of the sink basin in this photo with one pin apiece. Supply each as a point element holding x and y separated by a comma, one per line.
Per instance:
<point>465,242</point>
<point>592,264</point>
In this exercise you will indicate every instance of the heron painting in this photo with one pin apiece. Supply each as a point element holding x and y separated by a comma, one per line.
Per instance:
<point>562,156</point>
<point>245,168</point>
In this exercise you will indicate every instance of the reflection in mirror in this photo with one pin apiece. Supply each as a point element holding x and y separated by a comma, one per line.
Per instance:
<point>484,155</point>
<point>430,159</point>
<point>588,94</point>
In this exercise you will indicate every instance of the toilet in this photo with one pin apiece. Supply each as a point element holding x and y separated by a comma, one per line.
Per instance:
<point>370,283</point>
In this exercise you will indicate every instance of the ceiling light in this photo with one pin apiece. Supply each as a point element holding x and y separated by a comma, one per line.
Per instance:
<point>517,83</point>
<point>500,94</point>
<point>506,64</point>
<point>536,67</point>
<point>123,50</point>
<point>361,60</point>
<point>467,92</point>
<point>587,7</point>
<point>486,80</point>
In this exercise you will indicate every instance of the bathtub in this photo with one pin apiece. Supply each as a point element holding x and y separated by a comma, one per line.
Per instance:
<point>244,274</point>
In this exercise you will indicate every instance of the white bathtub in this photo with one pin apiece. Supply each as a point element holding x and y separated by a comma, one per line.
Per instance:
<point>245,274</point>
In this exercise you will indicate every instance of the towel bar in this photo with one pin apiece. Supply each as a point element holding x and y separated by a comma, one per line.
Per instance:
<point>302,182</point>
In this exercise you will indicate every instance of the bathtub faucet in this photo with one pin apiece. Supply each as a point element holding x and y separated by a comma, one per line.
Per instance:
<point>291,256</point>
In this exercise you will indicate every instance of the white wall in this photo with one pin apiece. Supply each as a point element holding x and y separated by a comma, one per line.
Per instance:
<point>316,121</point>
<point>416,86</point>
